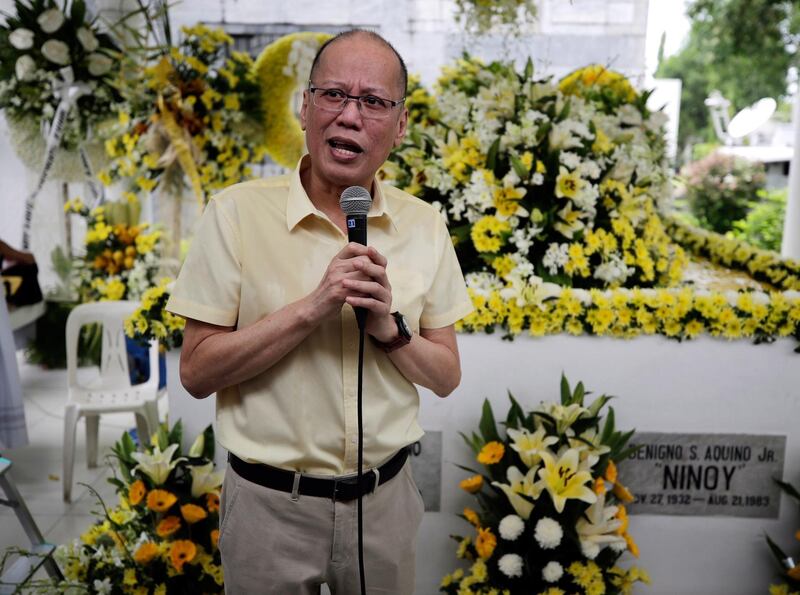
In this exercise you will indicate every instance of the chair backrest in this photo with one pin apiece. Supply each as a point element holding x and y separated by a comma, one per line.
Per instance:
<point>114,356</point>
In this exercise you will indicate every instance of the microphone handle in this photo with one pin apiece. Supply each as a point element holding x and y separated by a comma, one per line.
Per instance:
<point>357,232</point>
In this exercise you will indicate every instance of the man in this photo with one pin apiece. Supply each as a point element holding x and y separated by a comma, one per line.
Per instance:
<point>268,290</point>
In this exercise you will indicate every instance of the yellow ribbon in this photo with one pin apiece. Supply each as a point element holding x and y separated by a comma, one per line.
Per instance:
<point>177,138</point>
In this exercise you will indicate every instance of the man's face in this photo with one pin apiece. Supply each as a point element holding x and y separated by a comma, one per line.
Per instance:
<point>346,148</point>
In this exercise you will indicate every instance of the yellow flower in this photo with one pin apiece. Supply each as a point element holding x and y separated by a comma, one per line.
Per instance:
<point>145,552</point>
<point>104,178</point>
<point>568,183</point>
<point>168,525</point>
<point>503,265</point>
<point>181,552</point>
<point>472,516</point>
<point>487,233</point>
<point>472,484</point>
<point>485,543</point>
<point>136,492</point>
<point>564,480</point>
<point>193,513</point>
<point>601,143</point>
<point>129,577</point>
<point>214,537</point>
<point>160,500</point>
<point>491,453</point>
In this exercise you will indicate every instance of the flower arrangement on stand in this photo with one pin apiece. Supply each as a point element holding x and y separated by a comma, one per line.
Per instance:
<point>551,515</point>
<point>481,16</point>
<point>789,565</point>
<point>162,536</point>
<point>544,184</point>
<point>122,259</point>
<point>46,49</point>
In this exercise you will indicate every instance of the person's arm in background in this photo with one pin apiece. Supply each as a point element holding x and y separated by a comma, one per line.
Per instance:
<point>9,253</point>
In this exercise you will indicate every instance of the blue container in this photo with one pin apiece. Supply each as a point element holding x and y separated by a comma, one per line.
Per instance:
<point>139,363</point>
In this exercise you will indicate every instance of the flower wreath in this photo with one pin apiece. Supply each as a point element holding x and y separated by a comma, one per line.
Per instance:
<point>282,67</point>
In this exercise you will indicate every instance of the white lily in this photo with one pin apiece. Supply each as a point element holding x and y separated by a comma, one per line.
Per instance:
<point>87,39</point>
<point>529,446</point>
<point>520,484</point>
<point>205,479</point>
<point>99,64</point>
<point>56,51</point>
<point>51,20</point>
<point>564,416</point>
<point>599,528</point>
<point>24,67</point>
<point>589,446</point>
<point>157,465</point>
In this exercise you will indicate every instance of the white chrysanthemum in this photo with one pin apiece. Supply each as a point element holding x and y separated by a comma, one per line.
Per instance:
<point>99,64</point>
<point>511,527</point>
<point>552,572</point>
<point>24,67</point>
<point>590,549</point>
<point>51,20</point>
<point>510,565</point>
<point>87,39</point>
<point>548,533</point>
<point>21,38</point>
<point>56,51</point>
<point>556,256</point>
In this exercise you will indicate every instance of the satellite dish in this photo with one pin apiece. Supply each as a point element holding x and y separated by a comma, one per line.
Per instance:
<point>751,118</point>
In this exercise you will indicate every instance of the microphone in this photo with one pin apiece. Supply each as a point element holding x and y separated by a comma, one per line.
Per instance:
<point>355,202</point>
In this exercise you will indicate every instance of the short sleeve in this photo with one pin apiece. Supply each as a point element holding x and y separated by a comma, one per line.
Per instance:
<point>447,301</point>
<point>209,283</point>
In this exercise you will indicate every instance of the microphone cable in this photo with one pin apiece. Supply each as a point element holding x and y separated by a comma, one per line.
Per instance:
<point>361,576</point>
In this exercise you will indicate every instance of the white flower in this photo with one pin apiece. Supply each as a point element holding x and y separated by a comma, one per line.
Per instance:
<point>510,565</point>
<point>529,446</point>
<point>205,479</point>
<point>51,20</point>
<point>25,67</point>
<point>87,39</point>
<point>21,38</point>
<point>56,51</point>
<point>157,465</point>
<point>598,528</point>
<point>511,527</point>
<point>520,485</point>
<point>552,572</point>
<point>102,587</point>
<point>571,160</point>
<point>548,533</point>
<point>556,256</point>
<point>99,64</point>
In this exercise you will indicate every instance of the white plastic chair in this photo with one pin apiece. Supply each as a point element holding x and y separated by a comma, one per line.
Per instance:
<point>112,391</point>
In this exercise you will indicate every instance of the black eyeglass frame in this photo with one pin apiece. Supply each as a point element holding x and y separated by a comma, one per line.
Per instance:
<point>357,98</point>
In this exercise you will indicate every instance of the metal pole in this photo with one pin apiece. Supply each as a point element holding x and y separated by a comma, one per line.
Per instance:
<point>790,247</point>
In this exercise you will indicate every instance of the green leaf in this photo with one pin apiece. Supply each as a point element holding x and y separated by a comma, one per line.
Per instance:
<point>608,428</point>
<point>788,488</point>
<point>564,112</point>
<point>468,469</point>
<point>210,445</point>
<point>488,426</point>
<point>491,156</point>
<point>566,392</point>
<point>529,69</point>
<point>161,438</point>
<point>175,436</point>
<point>598,404</point>
<point>577,396</point>
<point>777,551</point>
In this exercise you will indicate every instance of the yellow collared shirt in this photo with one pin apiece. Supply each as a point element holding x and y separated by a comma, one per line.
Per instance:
<point>261,245</point>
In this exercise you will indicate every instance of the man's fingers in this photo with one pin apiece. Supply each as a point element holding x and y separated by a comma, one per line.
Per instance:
<point>372,288</point>
<point>352,249</point>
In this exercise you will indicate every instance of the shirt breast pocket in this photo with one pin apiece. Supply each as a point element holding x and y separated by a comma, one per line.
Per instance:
<point>408,293</point>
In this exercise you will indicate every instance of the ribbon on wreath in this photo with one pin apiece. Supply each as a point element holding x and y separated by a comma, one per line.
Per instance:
<point>68,92</point>
<point>180,150</point>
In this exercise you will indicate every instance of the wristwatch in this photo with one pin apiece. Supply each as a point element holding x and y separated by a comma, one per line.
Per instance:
<point>403,337</point>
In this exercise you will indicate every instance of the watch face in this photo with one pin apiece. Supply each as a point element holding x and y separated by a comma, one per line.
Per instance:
<point>402,325</point>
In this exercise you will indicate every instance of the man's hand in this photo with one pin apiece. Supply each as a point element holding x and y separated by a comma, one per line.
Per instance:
<point>357,276</point>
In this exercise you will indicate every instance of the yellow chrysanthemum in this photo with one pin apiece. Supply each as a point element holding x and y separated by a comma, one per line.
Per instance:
<point>472,484</point>
<point>491,453</point>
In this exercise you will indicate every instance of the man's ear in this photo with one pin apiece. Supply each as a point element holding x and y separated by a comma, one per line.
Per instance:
<point>303,110</point>
<point>402,126</point>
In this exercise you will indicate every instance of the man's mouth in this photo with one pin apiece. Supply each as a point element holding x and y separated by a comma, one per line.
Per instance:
<point>344,146</point>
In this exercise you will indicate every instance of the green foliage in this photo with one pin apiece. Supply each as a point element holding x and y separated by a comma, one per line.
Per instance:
<point>719,189</point>
<point>744,48</point>
<point>763,225</point>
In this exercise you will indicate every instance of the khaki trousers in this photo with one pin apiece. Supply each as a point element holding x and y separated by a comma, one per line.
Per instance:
<point>272,545</point>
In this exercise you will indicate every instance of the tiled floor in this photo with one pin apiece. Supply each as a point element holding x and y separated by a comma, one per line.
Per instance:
<point>36,468</point>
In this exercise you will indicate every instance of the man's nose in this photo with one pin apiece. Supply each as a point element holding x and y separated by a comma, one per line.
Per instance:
<point>351,112</point>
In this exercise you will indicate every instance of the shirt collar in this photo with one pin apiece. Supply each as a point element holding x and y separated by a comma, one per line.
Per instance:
<point>299,205</point>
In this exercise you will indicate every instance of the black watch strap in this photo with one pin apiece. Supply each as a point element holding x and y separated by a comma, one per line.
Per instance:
<point>404,335</point>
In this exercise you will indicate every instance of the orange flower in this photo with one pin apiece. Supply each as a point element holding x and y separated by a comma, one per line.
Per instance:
<point>472,516</point>
<point>611,472</point>
<point>193,513</point>
<point>146,552</point>
<point>168,526</point>
<point>491,453</point>
<point>181,552</point>
<point>136,492</point>
<point>797,535</point>
<point>214,537</point>
<point>632,547</point>
<point>212,501</point>
<point>621,492</point>
<point>622,515</point>
<point>160,500</point>
<point>485,543</point>
<point>794,573</point>
<point>472,484</point>
<point>599,485</point>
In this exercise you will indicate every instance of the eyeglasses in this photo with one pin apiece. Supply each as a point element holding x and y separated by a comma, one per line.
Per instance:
<point>335,100</point>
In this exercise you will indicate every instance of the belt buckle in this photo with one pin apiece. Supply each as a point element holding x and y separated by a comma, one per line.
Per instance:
<point>353,481</point>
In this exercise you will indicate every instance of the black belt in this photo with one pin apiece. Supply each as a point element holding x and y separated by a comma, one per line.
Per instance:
<point>341,489</point>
